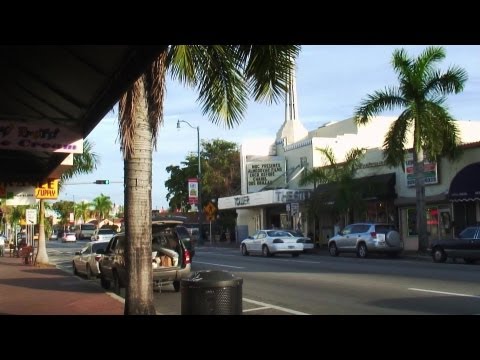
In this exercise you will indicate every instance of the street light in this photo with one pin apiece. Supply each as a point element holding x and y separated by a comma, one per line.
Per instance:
<point>200,239</point>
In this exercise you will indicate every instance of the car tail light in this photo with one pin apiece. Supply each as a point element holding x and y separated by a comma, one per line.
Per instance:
<point>98,257</point>
<point>278,241</point>
<point>373,234</point>
<point>186,257</point>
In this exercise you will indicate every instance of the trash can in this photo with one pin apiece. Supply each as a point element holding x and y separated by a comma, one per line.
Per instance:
<point>211,292</point>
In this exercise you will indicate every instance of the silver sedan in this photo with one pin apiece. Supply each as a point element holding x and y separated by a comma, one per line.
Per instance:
<point>86,260</point>
<point>271,242</point>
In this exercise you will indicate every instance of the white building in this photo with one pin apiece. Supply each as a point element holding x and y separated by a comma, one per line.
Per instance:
<point>271,169</point>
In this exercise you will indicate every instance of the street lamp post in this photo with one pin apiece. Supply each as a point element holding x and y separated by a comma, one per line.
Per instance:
<point>200,238</point>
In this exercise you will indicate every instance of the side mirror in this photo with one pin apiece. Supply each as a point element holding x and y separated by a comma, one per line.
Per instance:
<point>78,253</point>
<point>100,251</point>
<point>250,237</point>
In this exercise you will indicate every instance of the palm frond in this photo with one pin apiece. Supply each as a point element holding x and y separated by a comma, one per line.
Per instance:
<point>268,69</point>
<point>155,93</point>
<point>182,63</point>
<point>426,59</point>
<point>388,99</point>
<point>452,81</point>
<point>83,163</point>
<point>127,116</point>
<point>402,64</point>
<point>395,139</point>
<point>222,89</point>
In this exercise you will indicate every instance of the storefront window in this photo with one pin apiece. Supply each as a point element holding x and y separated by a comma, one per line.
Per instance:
<point>432,222</point>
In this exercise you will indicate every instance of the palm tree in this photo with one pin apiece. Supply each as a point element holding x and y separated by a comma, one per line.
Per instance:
<point>421,94</point>
<point>102,205</point>
<point>342,175</point>
<point>83,163</point>
<point>82,210</point>
<point>223,76</point>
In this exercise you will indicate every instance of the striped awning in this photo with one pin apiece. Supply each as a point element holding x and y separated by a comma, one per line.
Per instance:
<point>465,186</point>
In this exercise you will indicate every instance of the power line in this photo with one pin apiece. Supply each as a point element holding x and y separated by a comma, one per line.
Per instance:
<point>93,182</point>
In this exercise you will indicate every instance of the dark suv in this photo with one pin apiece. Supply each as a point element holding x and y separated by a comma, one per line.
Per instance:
<point>170,258</point>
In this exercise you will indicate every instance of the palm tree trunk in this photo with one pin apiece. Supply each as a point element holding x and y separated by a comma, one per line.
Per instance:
<point>418,160</point>
<point>138,202</point>
<point>42,256</point>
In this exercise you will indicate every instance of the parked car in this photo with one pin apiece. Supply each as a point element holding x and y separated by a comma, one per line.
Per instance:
<point>271,242</point>
<point>103,234</point>
<point>69,237</point>
<point>86,260</point>
<point>306,241</point>
<point>466,246</point>
<point>171,260</point>
<point>365,238</point>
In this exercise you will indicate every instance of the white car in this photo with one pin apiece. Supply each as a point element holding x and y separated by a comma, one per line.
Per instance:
<point>86,260</point>
<point>103,234</point>
<point>307,242</point>
<point>271,242</point>
<point>69,237</point>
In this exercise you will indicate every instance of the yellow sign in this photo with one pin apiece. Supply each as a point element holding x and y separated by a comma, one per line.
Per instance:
<point>49,190</point>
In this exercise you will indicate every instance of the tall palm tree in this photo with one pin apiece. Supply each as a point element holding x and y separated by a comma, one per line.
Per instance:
<point>421,94</point>
<point>83,163</point>
<point>102,206</point>
<point>339,173</point>
<point>224,77</point>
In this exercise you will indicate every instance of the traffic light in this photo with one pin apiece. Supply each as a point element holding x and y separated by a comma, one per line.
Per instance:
<point>102,181</point>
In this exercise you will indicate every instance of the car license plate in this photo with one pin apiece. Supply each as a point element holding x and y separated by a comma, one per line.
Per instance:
<point>291,247</point>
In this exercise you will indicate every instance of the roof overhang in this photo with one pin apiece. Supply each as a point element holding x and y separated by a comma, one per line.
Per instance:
<point>67,88</point>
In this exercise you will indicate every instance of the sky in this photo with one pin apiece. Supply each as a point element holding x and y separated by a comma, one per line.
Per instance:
<point>332,80</point>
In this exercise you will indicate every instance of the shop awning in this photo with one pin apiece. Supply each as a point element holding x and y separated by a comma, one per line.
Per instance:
<point>465,186</point>
<point>375,187</point>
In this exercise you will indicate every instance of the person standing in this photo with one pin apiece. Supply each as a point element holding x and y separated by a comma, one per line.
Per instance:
<point>2,244</point>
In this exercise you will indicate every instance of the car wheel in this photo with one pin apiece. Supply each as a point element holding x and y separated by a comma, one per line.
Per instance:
<point>75,271</point>
<point>332,249</point>
<point>116,283</point>
<point>176,286</point>
<point>439,255</point>
<point>265,251</point>
<point>89,272</point>
<point>244,250</point>
<point>104,282</point>
<point>362,251</point>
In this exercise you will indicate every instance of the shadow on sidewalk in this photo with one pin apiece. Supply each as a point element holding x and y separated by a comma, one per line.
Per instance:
<point>51,283</point>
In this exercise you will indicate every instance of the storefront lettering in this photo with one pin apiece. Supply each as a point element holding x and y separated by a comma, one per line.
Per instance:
<point>242,200</point>
<point>292,195</point>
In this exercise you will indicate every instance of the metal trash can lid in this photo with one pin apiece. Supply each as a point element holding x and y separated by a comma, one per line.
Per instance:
<point>211,278</point>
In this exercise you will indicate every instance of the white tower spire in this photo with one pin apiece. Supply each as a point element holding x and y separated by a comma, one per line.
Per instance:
<point>292,129</point>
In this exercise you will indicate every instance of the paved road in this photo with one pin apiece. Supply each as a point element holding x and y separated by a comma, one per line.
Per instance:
<point>320,284</point>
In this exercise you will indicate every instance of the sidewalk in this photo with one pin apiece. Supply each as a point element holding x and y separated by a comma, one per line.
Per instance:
<point>31,290</point>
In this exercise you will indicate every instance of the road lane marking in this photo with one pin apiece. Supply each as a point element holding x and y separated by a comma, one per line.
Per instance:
<point>230,266</point>
<point>290,311</point>
<point>258,308</point>
<point>444,293</point>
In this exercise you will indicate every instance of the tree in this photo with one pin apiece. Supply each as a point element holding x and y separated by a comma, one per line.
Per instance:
<point>82,210</point>
<point>220,173</point>
<point>224,76</point>
<point>341,175</point>
<point>422,93</point>
<point>83,163</point>
<point>103,205</point>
